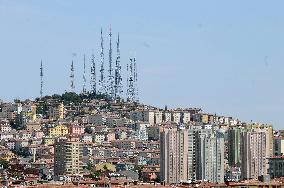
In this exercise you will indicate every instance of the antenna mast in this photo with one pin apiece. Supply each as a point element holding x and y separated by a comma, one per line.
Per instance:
<point>41,79</point>
<point>72,77</point>
<point>135,80</point>
<point>93,75</point>
<point>102,88</point>
<point>118,77</point>
<point>84,76</point>
<point>130,81</point>
<point>110,71</point>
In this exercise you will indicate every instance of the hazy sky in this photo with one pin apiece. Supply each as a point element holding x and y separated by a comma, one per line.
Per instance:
<point>224,56</point>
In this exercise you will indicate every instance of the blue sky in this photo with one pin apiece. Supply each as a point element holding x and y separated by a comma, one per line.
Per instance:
<point>224,56</point>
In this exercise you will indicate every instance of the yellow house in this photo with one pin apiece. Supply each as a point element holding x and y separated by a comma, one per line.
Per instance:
<point>59,130</point>
<point>7,156</point>
<point>48,141</point>
<point>105,166</point>
<point>31,116</point>
<point>205,118</point>
<point>61,111</point>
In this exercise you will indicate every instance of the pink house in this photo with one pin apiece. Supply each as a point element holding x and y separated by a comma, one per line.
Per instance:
<point>38,134</point>
<point>76,129</point>
<point>110,136</point>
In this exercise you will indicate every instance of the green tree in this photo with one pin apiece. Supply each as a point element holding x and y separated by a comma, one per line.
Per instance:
<point>139,170</point>
<point>4,163</point>
<point>71,97</point>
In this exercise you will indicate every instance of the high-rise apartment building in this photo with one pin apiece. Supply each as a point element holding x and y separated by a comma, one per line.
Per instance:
<point>210,156</point>
<point>68,157</point>
<point>174,148</point>
<point>254,153</point>
<point>234,146</point>
<point>192,154</point>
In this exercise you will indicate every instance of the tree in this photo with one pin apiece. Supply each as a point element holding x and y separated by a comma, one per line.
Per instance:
<point>139,169</point>
<point>24,152</point>
<point>4,163</point>
<point>71,97</point>
<point>89,130</point>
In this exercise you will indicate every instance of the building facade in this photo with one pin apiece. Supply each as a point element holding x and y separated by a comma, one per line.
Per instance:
<point>68,157</point>
<point>174,148</point>
<point>254,153</point>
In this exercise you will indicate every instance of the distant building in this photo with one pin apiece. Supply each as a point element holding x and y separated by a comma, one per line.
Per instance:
<point>234,146</point>
<point>76,129</point>
<point>278,146</point>
<point>56,112</point>
<point>176,117</point>
<point>5,125</point>
<point>98,137</point>
<point>210,156</point>
<point>68,157</point>
<point>192,154</point>
<point>174,148</point>
<point>153,133</point>
<point>158,117</point>
<point>141,130</point>
<point>149,116</point>
<point>59,130</point>
<point>254,153</point>
<point>276,167</point>
<point>97,119</point>
<point>185,117</point>
<point>143,115</point>
<point>167,116</point>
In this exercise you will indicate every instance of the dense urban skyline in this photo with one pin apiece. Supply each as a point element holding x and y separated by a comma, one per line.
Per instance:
<point>226,59</point>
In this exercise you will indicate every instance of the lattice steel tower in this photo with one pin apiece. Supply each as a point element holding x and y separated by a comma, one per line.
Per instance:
<point>135,80</point>
<point>118,88</point>
<point>84,76</point>
<point>110,70</point>
<point>72,77</point>
<point>93,75</point>
<point>41,79</point>
<point>102,88</point>
<point>132,81</point>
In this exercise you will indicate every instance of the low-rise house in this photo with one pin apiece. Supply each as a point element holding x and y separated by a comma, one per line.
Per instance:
<point>87,138</point>
<point>98,137</point>
<point>5,125</point>
<point>59,130</point>
<point>76,129</point>
<point>7,135</point>
<point>33,126</point>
